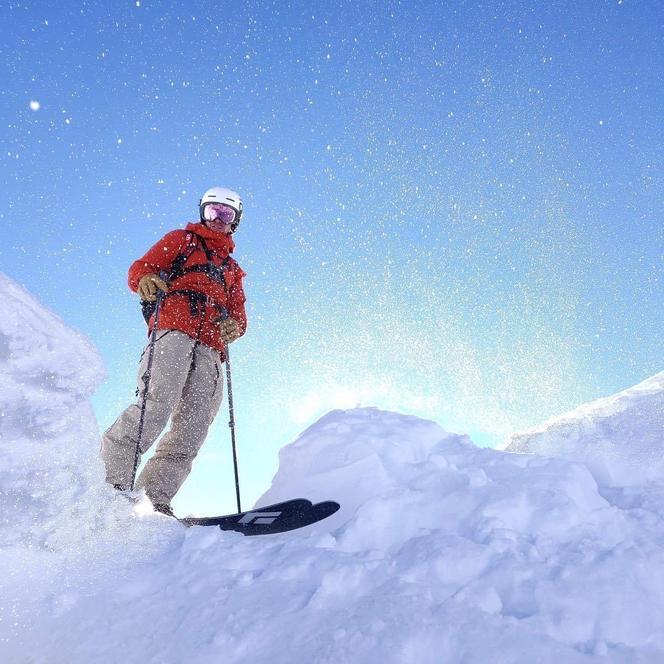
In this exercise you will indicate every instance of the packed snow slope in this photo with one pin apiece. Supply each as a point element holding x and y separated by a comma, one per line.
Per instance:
<point>441,552</point>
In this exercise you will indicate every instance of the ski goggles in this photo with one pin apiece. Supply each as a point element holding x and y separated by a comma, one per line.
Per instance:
<point>223,213</point>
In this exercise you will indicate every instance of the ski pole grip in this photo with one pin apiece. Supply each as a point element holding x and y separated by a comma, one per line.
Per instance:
<point>160,293</point>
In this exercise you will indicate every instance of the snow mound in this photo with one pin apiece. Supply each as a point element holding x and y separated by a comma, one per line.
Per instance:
<point>398,476</point>
<point>441,551</point>
<point>619,438</point>
<point>48,432</point>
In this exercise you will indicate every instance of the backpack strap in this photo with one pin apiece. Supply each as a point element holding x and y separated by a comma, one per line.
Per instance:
<point>177,266</point>
<point>208,253</point>
<point>197,300</point>
<point>214,272</point>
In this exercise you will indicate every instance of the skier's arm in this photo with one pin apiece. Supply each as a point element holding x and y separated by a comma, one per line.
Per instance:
<point>236,300</point>
<point>158,258</point>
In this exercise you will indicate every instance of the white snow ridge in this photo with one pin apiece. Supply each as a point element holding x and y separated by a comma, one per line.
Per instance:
<point>620,438</point>
<point>442,552</point>
<point>47,427</point>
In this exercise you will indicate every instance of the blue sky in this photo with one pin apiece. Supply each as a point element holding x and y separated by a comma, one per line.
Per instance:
<point>452,209</point>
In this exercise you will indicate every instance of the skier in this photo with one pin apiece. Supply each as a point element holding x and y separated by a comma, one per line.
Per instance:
<point>202,310</point>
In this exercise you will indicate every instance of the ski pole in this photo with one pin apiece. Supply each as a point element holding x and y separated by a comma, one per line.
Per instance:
<point>231,422</point>
<point>146,381</point>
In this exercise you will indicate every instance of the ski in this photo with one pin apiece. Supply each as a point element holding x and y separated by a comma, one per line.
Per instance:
<point>277,518</point>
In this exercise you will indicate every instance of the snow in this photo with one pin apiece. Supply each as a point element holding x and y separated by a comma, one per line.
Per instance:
<point>442,551</point>
<point>619,438</point>
<point>47,427</point>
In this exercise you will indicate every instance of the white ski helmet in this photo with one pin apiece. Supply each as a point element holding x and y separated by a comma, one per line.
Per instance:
<point>225,196</point>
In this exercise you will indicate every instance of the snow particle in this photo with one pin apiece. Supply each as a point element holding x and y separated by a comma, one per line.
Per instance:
<point>35,105</point>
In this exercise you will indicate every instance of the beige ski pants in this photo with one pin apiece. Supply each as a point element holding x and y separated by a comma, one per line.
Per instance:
<point>186,385</point>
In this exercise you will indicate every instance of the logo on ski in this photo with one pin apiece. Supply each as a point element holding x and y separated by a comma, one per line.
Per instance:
<point>259,518</point>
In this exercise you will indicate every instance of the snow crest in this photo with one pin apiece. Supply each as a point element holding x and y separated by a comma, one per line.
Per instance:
<point>48,432</point>
<point>619,438</point>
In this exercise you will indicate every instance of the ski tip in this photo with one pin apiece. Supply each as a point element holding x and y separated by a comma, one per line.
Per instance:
<point>327,507</point>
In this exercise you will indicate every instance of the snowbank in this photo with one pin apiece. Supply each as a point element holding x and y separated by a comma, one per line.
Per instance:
<point>441,552</point>
<point>48,432</point>
<point>619,438</point>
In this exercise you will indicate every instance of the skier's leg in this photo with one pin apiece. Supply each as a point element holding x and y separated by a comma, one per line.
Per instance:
<point>171,463</point>
<point>170,366</point>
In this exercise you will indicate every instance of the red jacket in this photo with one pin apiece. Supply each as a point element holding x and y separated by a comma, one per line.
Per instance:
<point>176,311</point>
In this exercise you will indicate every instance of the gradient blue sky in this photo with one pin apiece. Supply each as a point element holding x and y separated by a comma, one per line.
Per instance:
<point>452,209</point>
